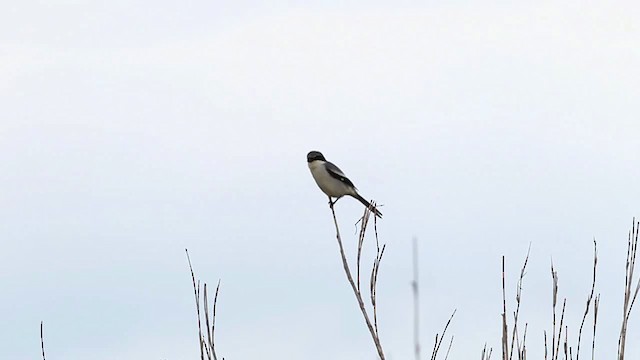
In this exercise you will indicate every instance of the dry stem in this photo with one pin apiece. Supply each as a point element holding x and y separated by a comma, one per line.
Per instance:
<point>629,299</point>
<point>507,351</point>
<point>590,298</point>
<point>373,327</point>
<point>42,340</point>
<point>486,355</point>
<point>438,342</point>
<point>207,344</point>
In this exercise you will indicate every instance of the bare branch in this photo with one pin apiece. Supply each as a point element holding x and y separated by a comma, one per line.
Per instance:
<point>629,299</point>
<point>486,355</point>
<point>518,300</point>
<point>356,291</point>
<point>436,348</point>
<point>363,228</point>
<point>42,339</point>
<point>564,303</point>
<point>446,356</point>
<point>522,350</point>
<point>554,276</point>
<point>546,347</point>
<point>596,304</point>
<point>505,330</point>
<point>207,344</point>
<point>196,293</point>
<point>590,298</point>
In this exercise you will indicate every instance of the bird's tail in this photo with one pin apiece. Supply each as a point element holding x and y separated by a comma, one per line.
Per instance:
<point>368,205</point>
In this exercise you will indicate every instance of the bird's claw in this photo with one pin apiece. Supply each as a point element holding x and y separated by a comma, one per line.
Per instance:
<point>333,202</point>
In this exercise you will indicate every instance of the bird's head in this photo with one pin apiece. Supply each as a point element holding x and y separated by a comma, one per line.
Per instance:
<point>315,155</point>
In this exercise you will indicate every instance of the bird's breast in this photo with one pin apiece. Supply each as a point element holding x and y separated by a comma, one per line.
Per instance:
<point>327,183</point>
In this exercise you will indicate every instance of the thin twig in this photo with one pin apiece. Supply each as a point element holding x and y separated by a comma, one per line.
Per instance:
<point>207,344</point>
<point>42,339</point>
<point>564,303</point>
<point>565,346</point>
<point>596,304</point>
<point>518,300</point>
<point>486,355</point>
<point>590,298</point>
<point>373,281</point>
<point>356,292</point>
<point>196,293</point>
<point>446,356</point>
<point>363,227</point>
<point>546,347</point>
<point>436,348</point>
<point>209,339</point>
<point>372,286</point>
<point>505,330</point>
<point>554,276</point>
<point>522,351</point>
<point>211,324</point>
<point>629,300</point>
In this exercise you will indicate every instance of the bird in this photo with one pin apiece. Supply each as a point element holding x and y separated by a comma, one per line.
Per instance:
<point>333,182</point>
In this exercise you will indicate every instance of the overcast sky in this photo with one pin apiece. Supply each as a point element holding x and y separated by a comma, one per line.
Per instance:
<point>131,130</point>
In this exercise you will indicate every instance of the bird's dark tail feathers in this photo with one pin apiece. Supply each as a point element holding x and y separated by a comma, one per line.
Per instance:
<point>368,205</point>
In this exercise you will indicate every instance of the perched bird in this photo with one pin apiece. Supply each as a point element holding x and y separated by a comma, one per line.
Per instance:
<point>333,182</point>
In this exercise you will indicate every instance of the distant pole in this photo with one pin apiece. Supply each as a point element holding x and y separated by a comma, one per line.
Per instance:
<point>416,301</point>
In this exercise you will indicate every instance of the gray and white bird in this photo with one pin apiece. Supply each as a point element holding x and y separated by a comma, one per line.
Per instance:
<point>333,182</point>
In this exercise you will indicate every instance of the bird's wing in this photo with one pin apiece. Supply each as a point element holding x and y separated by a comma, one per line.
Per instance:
<point>336,173</point>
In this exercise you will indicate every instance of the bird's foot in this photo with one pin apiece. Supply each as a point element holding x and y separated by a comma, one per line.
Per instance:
<point>333,202</point>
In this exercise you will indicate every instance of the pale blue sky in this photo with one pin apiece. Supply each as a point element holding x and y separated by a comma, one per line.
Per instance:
<point>132,130</point>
